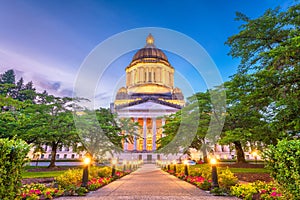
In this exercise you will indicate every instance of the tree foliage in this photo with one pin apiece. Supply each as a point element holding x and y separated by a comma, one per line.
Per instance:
<point>269,48</point>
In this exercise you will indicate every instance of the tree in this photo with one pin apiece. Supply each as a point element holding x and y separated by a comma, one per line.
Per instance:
<point>8,77</point>
<point>99,132</point>
<point>270,54</point>
<point>244,123</point>
<point>55,126</point>
<point>195,126</point>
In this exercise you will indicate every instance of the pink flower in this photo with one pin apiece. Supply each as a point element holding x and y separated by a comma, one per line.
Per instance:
<point>263,191</point>
<point>48,193</point>
<point>273,194</point>
<point>37,192</point>
<point>274,188</point>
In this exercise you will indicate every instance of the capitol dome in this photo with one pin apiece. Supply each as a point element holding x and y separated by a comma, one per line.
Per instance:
<point>149,52</point>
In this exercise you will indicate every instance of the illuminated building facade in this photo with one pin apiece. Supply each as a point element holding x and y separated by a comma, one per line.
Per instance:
<point>149,95</point>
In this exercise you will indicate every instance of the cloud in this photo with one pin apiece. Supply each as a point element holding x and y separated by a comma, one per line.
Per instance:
<point>54,77</point>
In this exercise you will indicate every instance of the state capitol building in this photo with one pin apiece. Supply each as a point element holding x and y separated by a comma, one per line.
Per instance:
<point>149,96</point>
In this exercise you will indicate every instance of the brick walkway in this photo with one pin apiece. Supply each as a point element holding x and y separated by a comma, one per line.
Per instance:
<point>149,182</point>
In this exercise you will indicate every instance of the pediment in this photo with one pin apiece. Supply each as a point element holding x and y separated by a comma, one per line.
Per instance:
<point>149,105</point>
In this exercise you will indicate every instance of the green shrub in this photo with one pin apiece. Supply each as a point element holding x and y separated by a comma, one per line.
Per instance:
<point>70,180</point>
<point>205,185</point>
<point>99,172</point>
<point>258,190</point>
<point>203,170</point>
<point>13,154</point>
<point>284,162</point>
<point>227,179</point>
<point>245,191</point>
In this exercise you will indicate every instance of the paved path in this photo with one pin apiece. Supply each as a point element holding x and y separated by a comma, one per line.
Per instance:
<point>149,182</point>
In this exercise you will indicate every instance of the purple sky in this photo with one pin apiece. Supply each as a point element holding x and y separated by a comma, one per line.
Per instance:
<point>46,41</point>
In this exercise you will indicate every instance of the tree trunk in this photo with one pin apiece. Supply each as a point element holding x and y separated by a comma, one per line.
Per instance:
<point>205,158</point>
<point>53,155</point>
<point>239,152</point>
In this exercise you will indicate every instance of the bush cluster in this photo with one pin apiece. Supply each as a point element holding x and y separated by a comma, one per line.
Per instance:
<point>13,154</point>
<point>257,190</point>
<point>284,162</point>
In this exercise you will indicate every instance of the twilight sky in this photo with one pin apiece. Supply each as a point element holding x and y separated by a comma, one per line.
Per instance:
<point>47,41</point>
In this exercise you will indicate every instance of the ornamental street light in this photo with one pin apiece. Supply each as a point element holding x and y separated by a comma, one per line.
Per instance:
<point>113,171</point>
<point>85,175</point>
<point>186,170</point>
<point>215,183</point>
<point>174,163</point>
<point>124,165</point>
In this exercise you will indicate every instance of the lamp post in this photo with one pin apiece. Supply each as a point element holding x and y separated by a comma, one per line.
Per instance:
<point>186,170</point>
<point>113,171</point>
<point>174,163</point>
<point>215,183</point>
<point>124,165</point>
<point>85,175</point>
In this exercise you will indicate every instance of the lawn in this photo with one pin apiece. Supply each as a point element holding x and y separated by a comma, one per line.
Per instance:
<point>249,170</point>
<point>46,174</point>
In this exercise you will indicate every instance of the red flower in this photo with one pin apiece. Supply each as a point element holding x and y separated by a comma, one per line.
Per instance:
<point>263,191</point>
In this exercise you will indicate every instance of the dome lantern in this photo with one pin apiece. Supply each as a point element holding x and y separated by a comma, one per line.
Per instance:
<point>150,40</point>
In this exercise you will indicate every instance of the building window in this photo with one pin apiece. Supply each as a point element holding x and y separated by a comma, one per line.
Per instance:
<point>153,76</point>
<point>57,156</point>
<point>60,149</point>
<point>80,155</point>
<point>67,149</point>
<point>73,156</point>
<point>42,156</point>
<point>50,156</point>
<point>149,78</point>
<point>46,147</point>
<point>65,156</point>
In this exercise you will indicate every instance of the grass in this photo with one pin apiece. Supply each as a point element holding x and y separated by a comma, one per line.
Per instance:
<point>238,170</point>
<point>249,170</point>
<point>48,174</point>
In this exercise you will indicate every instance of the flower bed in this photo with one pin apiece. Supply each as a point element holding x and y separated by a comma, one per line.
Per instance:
<point>228,183</point>
<point>69,184</point>
<point>257,190</point>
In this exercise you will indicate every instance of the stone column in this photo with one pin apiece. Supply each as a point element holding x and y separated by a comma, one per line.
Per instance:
<point>163,76</point>
<point>154,134</point>
<point>132,77</point>
<point>145,134</point>
<point>134,137</point>
<point>147,75</point>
